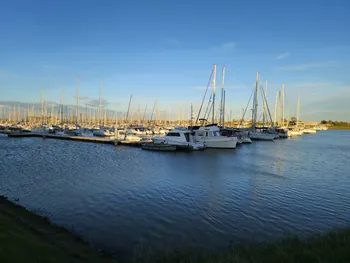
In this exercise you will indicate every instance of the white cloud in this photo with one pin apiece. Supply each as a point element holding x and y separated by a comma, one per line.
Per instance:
<point>284,55</point>
<point>307,66</point>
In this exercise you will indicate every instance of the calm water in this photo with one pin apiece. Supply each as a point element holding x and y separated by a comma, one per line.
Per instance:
<point>127,200</point>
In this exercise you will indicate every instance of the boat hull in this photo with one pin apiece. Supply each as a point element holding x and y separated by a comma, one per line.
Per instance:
<point>259,136</point>
<point>226,143</point>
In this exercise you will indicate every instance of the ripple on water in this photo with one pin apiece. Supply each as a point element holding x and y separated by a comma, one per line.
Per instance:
<point>126,200</point>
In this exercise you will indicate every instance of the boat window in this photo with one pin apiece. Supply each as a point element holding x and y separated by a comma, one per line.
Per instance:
<point>187,136</point>
<point>176,134</point>
<point>200,133</point>
<point>206,134</point>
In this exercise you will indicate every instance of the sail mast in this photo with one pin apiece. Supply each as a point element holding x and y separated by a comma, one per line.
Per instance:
<point>222,104</point>
<point>255,105</point>
<point>214,91</point>
<point>282,105</point>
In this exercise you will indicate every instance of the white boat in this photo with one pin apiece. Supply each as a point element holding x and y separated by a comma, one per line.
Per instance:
<point>309,131</point>
<point>103,133</point>
<point>210,136</point>
<point>294,133</point>
<point>261,136</point>
<point>132,138</point>
<point>181,137</point>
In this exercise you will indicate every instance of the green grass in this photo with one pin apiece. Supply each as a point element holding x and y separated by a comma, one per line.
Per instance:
<point>347,127</point>
<point>26,237</point>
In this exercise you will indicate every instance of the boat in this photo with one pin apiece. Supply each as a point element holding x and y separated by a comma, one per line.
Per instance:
<point>309,131</point>
<point>294,132</point>
<point>261,136</point>
<point>132,138</point>
<point>158,147</point>
<point>282,133</point>
<point>321,128</point>
<point>102,132</point>
<point>179,137</point>
<point>211,137</point>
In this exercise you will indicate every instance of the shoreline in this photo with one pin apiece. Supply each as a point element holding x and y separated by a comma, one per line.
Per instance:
<point>28,237</point>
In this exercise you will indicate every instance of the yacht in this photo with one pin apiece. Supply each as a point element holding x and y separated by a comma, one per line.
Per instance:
<point>294,132</point>
<point>102,132</point>
<point>309,131</point>
<point>211,137</point>
<point>179,137</point>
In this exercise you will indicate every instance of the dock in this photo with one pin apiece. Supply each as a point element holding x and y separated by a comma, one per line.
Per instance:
<point>62,137</point>
<point>104,140</point>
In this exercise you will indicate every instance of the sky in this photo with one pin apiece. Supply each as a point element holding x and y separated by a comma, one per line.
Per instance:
<point>165,50</point>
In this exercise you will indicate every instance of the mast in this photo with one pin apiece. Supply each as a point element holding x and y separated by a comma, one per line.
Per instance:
<point>144,115</point>
<point>77,98</point>
<point>264,106</point>
<point>298,112</point>
<point>282,105</point>
<point>255,103</point>
<point>214,91</point>
<point>222,103</point>
<point>100,105</point>
<point>42,106</point>
<point>127,114</point>
<point>276,107</point>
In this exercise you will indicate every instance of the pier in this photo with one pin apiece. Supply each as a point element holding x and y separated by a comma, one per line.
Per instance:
<point>104,140</point>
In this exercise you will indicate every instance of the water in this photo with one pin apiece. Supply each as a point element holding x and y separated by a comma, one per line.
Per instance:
<point>127,200</point>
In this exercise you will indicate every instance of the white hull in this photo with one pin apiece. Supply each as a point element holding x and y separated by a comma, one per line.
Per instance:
<point>132,138</point>
<point>221,142</point>
<point>309,131</point>
<point>164,140</point>
<point>294,133</point>
<point>260,136</point>
<point>246,140</point>
<point>103,134</point>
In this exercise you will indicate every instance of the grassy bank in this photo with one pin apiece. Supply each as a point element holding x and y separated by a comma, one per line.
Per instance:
<point>347,127</point>
<point>26,237</point>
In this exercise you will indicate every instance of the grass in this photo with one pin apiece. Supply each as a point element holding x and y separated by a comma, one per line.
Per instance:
<point>335,127</point>
<point>26,237</point>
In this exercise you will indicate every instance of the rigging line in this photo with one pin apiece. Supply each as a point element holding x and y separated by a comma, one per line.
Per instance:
<point>205,94</point>
<point>267,106</point>
<point>240,124</point>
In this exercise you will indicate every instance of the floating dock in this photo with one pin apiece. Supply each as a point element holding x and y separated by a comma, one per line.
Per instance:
<point>63,137</point>
<point>105,140</point>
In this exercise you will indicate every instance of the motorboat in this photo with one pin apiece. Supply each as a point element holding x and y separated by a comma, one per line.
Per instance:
<point>282,133</point>
<point>261,135</point>
<point>181,137</point>
<point>294,132</point>
<point>309,131</point>
<point>102,132</point>
<point>211,137</point>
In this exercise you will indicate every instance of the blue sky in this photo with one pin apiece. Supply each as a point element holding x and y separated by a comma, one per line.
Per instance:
<point>166,49</point>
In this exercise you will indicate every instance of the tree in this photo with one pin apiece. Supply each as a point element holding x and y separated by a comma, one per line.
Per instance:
<point>323,122</point>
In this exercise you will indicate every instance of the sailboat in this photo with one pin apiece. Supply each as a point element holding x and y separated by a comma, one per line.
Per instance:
<point>254,133</point>
<point>210,135</point>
